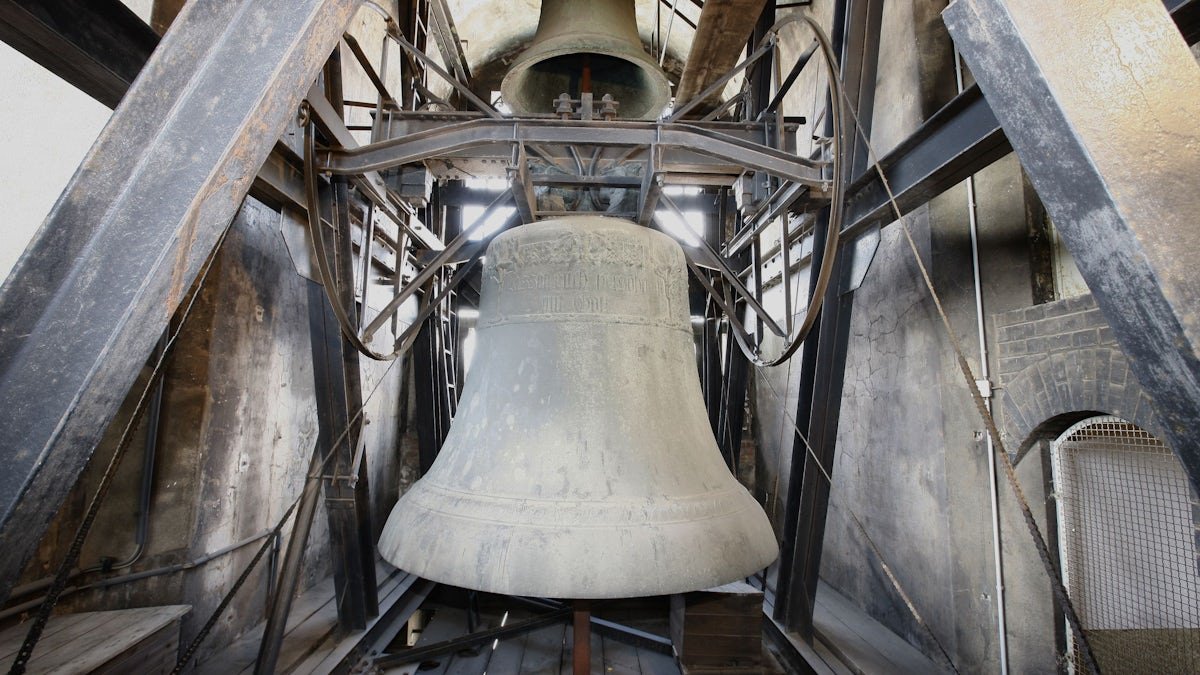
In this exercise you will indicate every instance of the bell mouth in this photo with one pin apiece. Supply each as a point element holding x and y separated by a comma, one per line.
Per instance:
<point>639,88</point>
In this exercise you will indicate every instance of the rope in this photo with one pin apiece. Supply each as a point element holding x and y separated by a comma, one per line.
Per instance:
<point>1001,452</point>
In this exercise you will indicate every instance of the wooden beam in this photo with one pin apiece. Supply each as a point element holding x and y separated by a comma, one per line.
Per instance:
<point>720,38</point>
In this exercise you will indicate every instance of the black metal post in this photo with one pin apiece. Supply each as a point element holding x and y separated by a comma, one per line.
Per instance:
<point>856,35</point>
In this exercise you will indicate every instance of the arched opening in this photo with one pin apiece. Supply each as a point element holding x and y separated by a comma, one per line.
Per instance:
<point>1129,538</point>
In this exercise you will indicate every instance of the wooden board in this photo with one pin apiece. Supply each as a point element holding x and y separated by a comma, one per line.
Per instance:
<point>620,658</point>
<point>719,629</point>
<point>90,641</point>
<point>721,35</point>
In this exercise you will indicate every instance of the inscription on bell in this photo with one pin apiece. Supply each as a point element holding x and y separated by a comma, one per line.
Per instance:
<point>586,275</point>
<point>582,281</point>
<point>586,304</point>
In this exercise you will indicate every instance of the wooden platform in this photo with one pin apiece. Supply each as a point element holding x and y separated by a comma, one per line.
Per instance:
<point>546,651</point>
<point>143,640</point>
<point>719,630</point>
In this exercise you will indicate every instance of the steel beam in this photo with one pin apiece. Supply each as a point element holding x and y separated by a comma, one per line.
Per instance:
<point>83,307</point>
<point>98,46</point>
<point>1114,156</point>
<point>961,139</point>
<point>339,395</point>
<point>441,26</point>
<point>447,138</point>
<point>857,26</point>
<point>347,490</point>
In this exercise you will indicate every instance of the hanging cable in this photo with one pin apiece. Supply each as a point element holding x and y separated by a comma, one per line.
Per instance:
<point>63,575</point>
<point>1001,451</point>
<point>887,569</point>
<point>194,645</point>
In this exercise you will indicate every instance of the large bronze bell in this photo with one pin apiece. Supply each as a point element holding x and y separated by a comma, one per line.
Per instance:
<point>581,463</point>
<point>586,45</point>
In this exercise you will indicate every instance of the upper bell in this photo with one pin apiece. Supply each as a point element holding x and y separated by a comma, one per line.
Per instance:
<point>586,45</point>
<point>581,463</point>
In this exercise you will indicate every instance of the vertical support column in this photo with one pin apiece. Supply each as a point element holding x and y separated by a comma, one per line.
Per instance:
<point>1100,101</point>
<point>737,366</point>
<point>350,536</point>
<point>857,25</point>
<point>339,398</point>
<point>425,380</point>
<point>708,352</point>
<point>436,366</point>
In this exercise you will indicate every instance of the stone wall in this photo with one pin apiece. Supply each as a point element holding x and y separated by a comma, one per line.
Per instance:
<point>1060,363</point>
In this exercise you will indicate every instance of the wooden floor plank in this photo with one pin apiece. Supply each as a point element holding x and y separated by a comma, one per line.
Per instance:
<point>620,658</point>
<point>656,663</point>
<point>395,583</point>
<point>117,636</point>
<point>507,656</point>
<point>597,653</point>
<point>12,638</point>
<point>83,642</point>
<point>861,640</point>
<point>155,653</point>
<point>77,644</point>
<point>543,651</point>
<point>239,657</point>
<point>447,623</point>
<point>473,661</point>
<point>79,638</point>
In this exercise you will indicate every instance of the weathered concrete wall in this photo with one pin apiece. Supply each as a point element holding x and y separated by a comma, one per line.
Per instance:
<point>238,428</point>
<point>911,458</point>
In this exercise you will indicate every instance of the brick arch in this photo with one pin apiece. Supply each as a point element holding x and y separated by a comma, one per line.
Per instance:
<point>1059,389</point>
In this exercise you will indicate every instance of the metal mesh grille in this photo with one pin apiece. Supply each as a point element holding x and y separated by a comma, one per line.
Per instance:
<point>1130,547</point>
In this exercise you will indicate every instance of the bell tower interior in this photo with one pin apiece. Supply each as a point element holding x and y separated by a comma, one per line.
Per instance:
<point>600,336</point>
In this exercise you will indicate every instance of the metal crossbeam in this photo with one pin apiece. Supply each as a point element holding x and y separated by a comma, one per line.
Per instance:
<point>98,46</point>
<point>961,139</point>
<point>82,309</point>
<point>453,137</point>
